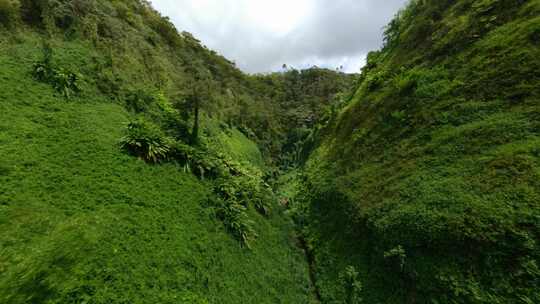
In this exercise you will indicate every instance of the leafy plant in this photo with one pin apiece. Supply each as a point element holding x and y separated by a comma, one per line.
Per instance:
<point>399,116</point>
<point>146,141</point>
<point>404,83</point>
<point>66,82</point>
<point>236,220</point>
<point>375,80</point>
<point>139,100</point>
<point>352,285</point>
<point>62,80</point>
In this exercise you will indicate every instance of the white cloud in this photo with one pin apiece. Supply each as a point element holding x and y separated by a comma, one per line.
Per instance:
<point>261,35</point>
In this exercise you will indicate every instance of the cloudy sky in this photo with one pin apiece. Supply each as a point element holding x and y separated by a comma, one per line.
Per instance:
<point>262,35</point>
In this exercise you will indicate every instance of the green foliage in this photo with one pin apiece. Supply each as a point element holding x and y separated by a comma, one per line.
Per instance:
<point>9,12</point>
<point>238,186</point>
<point>427,181</point>
<point>80,221</point>
<point>164,27</point>
<point>140,100</point>
<point>296,101</point>
<point>236,220</point>
<point>353,287</point>
<point>147,141</point>
<point>66,82</point>
<point>434,149</point>
<point>375,80</point>
<point>128,15</point>
<point>399,116</point>
<point>62,80</point>
<point>31,12</point>
<point>404,83</point>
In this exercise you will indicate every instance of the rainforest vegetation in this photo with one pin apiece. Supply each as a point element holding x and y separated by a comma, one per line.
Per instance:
<point>139,166</point>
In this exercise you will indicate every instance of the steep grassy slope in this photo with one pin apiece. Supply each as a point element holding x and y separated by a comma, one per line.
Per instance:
<point>427,183</point>
<point>83,222</point>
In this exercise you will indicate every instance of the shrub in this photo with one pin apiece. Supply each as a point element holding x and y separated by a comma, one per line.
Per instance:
<point>404,83</point>
<point>52,14</point>
<point>374,80</point>
<point>166,29</point>
<point>64,81</point>
<point>352,285</point>
<point>110,28</point>
<point>199,161</point>
<point>9,12</point>
<point>126,13</point>
<point>82,8</point>
<point>236,220</point>
<point>140,100</point>
<point>399,116</point>
<point>146,141</point>
<point>109,83</point>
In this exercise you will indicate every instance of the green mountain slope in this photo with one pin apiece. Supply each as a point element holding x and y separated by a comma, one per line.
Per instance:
<point>82,222</point>
<point>427,182</point>
<point>138,166</point>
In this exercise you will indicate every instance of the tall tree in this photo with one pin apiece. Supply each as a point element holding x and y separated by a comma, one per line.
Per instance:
<point>199,94</point>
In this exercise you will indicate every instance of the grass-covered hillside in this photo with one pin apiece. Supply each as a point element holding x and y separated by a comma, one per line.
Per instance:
<point>81,221</point>
<point>425,188</point>
<point>138,166</point>
<point>135,164</point>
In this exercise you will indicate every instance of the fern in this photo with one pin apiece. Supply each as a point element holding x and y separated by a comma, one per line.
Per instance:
<point>146,141</point>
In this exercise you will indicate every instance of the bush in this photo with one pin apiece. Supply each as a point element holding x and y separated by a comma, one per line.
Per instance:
<point>246,189</point>
<point>199,161</point>
<point>146,141</point>
<point>140,100</point>
<point>352,285</point>
<point>64,81</point>
<point>52,14</point>
<point>110,28</point>
<point>375,80</point>
<point>236,220</point>
<point>399,116</point>
<point>168,31</point>
<point>404,83</point>
<point>125,13</point>
<point>9,12</point>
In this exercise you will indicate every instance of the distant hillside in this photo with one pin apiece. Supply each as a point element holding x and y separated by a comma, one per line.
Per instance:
<point>425,188</point>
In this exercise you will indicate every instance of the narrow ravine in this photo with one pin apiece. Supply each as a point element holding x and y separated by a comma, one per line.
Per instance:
<point>310,259</point>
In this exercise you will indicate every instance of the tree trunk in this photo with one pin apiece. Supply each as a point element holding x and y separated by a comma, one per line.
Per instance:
<point>195,131</point>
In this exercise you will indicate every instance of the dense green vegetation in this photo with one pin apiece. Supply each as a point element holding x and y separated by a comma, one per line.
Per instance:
<point>427,183</point>
<point>81,221</point>
<point>138,166</point>
<point>129,173</point>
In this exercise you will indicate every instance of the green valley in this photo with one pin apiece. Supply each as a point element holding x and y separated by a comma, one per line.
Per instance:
<point>139,166</point>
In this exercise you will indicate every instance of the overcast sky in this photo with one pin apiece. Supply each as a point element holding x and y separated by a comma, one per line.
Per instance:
<point>262,35</point>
